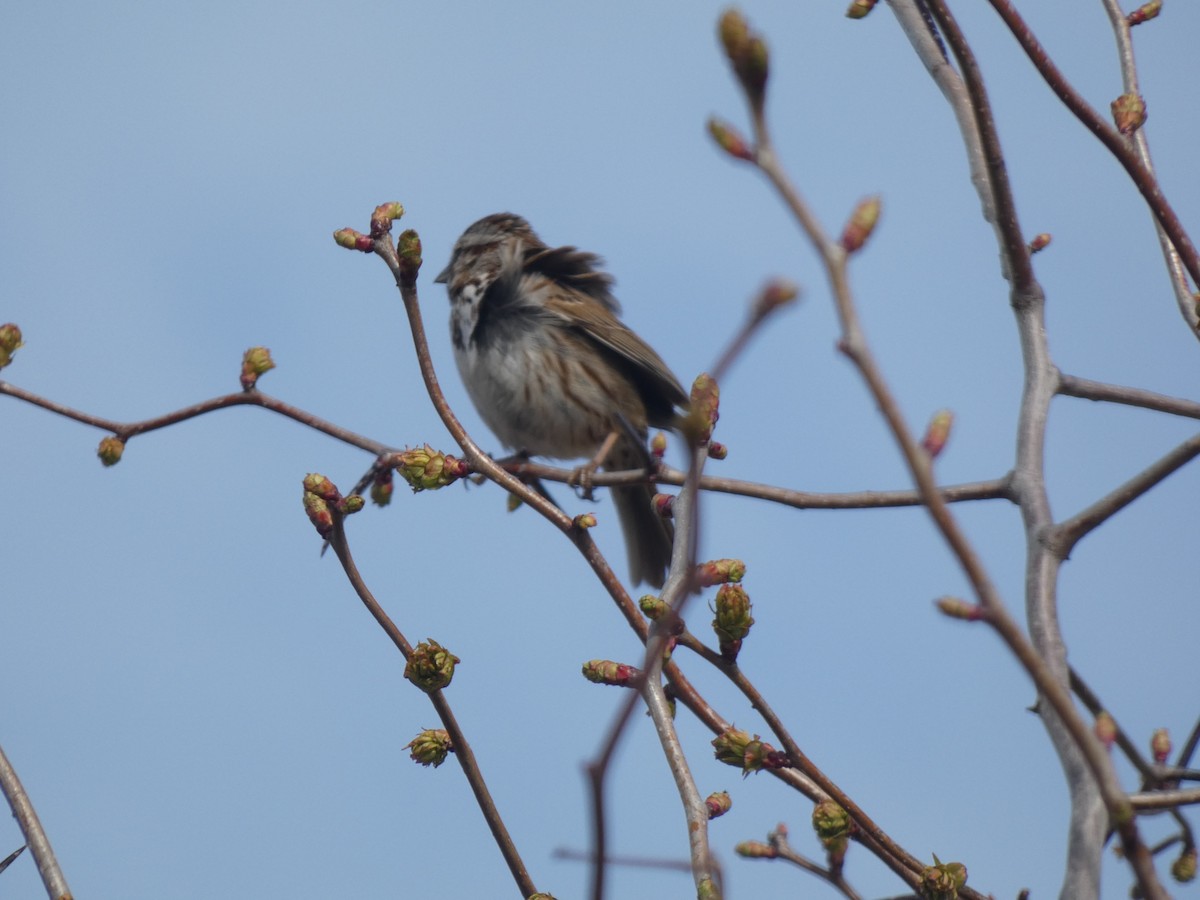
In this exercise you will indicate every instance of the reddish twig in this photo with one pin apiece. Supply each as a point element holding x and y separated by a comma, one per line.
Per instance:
<point>127,430</point>
<point>458,739</point>
<point>1118,145</point>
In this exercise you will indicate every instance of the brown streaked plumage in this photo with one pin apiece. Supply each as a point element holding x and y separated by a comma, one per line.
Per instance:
<point>551,368</point>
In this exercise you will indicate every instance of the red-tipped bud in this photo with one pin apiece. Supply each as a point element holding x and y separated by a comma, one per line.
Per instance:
<point>1144,13</point>
<point>730,139</point>
<point>718,803</point>
<point>957,608</point>
<point>431,666</point>
<point>585,520</point>
<point>938,432</point>
<point>1183,869</point>
<point>663,505</point>
<point>255,362</point>
<point>755,850</point>
<point>1129,113</point>
<point>859,9</point>
<point>717,450</point>
<point>1040,242</point>
<point>383,216</point>
<point>426,469</point>
<point>315,483</point>
<point>353,240</point>
<point>775,294</point>
<point>1160,745</point>
<point>605,671</point>
<point>408,249</point>
<point>318,513</point>
<point>658,445</point>
<point>430,747</point>
<point>110,450</point>
<point>720,571</point>
<point>10,340</point>
<point>1105,728</point>
<point>862,222</point>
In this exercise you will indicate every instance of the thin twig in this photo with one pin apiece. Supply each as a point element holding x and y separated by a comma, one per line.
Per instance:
<point>1141,146</point>
<point>992,489</point>
<point>1142,178</point>
<point>458,739</point>
<point>126,430</point>
<point>11,858</point>
<point>676,589</point>
<point>35,836</point>
<point>1164,799</point>
<point>1072,386</point>
<point>784,850</point>
<point>1095,707</point>
<point>1078,749</point>
<point>1062,538</point>
<point>617,859</point>
<point>899,860</point>
<point>1184,759</point>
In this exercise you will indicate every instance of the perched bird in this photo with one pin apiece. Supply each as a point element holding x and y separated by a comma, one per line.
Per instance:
<point>552,370</point>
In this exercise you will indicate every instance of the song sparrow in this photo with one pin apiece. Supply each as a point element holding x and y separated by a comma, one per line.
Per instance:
<point>554,372</point>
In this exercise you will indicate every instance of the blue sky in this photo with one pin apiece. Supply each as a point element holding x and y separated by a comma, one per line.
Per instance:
<point>197,703</point>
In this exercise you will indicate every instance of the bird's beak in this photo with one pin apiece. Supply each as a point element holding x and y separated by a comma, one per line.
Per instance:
<point>443,276</point>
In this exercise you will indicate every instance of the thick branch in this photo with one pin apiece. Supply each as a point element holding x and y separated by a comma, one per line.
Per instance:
<point>35,836</point>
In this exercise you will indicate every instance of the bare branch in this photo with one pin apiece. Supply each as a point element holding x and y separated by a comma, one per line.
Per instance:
<point>1045,659</point>
<point>1063,537</point>
<point>1175,270</point>
<point>1164,799</point>
<point>1120,147</point>
<point>1071,386</point>
<point>35,836</point>
<point>675,593</point>
<point>778,842</point>
<point>1095,707</point>
<point>458,739</point>
<point>899,860</point>
<point>1014,249</point>
<point>126,430</point>
<point>993,489</point>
